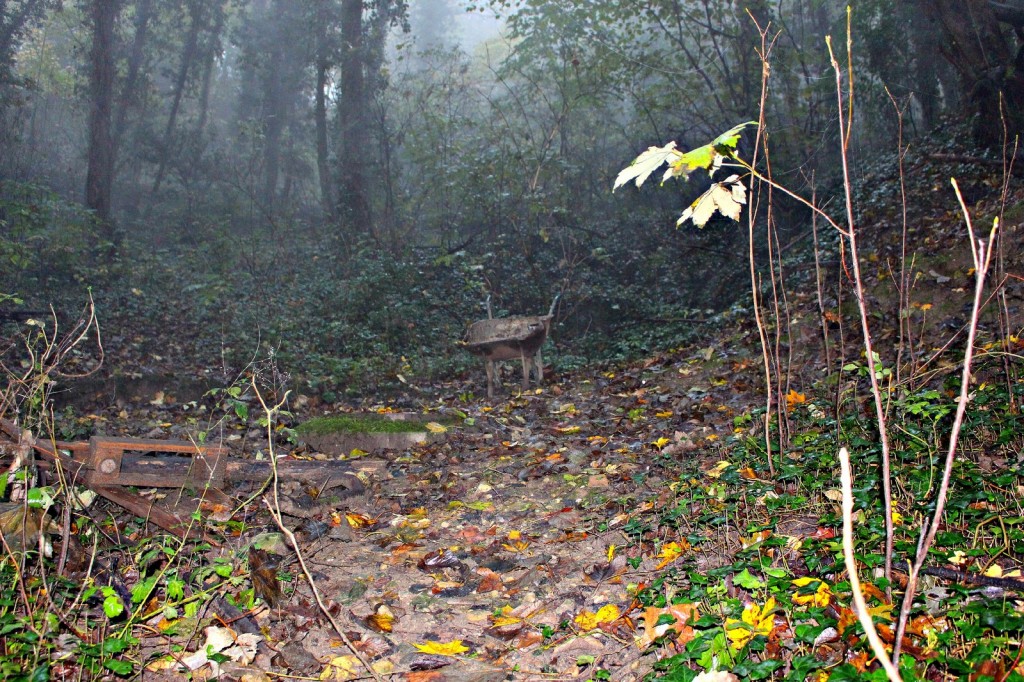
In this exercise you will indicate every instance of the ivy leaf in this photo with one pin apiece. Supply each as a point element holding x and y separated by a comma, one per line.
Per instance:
<point>647,163</point>
<point>113,606</point>
<point>747,581</point>
<point>122,668</point>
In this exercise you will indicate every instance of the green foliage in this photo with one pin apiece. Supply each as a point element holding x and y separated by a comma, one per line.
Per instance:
<point>726,197</point>
<point>45,241</point>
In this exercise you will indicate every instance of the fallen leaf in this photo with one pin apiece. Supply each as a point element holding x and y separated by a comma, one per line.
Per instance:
<point>341,668</point>
<point>358,520</point>
<point>670,552</point>
<point>452,648</point>
<point>442,558</point>
<point>382,619</point>
<point>753,621</point>
<point>490,582</point>
<point>819,596</point>
<point>588,620</point>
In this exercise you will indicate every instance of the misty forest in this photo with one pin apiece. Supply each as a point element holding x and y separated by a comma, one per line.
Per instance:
<point>511,340</point>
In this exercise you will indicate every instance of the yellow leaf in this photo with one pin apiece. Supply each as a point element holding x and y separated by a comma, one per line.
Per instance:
<point>588,620</point>
<point>663,415</point>
<point>611,552</point>
<point>451,648</point>
<point>754,621</point>
<point>357,520</point>
<point>755,538</point>
<point>661,442</point>
<point>567,429</point>
<point>996,571</point>
<point>341,668</point>
<point>926,306</point>
<point>356,452</point>
<point>820,597</point>
<point>670,552</point>
<point>882,612</point>
<point>434,427</point>
<point>793,398</point>
<point>381,620</point>
<point>719,469</point>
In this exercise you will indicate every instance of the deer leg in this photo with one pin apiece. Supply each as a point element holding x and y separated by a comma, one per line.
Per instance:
<point>538,362</point>
<point>490,378</point>
<point>526,370</point>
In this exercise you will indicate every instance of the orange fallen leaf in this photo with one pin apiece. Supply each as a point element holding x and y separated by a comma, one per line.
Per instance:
<point>683,614</point>
<point>793,399</point>
<point>358,520</point>
<point>490,582</point>
<point>670,552</point>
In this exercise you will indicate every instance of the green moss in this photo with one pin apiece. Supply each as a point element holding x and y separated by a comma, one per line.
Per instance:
<point>345,423</point>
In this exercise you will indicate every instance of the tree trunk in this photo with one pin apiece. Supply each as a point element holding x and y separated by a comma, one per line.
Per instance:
<point>977,47</point>
<point>143,14</point>
<point>323,65</point>
<point>210,52</point>
<point>195,9</point>
<point>99,181</point>
<point>354,208</point>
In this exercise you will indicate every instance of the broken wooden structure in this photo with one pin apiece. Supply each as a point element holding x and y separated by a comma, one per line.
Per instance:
<point>511,338</point>
<point>111,466</point>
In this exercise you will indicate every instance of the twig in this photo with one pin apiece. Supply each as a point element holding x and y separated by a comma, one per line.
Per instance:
<point>858,284</point>
<point>275,512</point>
<point>982,255</point>
<point>863,615</point>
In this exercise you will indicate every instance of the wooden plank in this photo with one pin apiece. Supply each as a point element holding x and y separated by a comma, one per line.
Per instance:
<point>150,511</point>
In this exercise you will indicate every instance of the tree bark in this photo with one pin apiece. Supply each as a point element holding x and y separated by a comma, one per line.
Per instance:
<point>143,14</point>
<point>99,181</point>
<point>354,207</point>
<point>323,65</point>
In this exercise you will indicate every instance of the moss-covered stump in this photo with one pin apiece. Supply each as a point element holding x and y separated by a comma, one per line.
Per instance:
<point>341,434</point>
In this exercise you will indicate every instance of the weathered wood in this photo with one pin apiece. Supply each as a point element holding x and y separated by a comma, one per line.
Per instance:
<point>156,463</point>
<point>107,464</point>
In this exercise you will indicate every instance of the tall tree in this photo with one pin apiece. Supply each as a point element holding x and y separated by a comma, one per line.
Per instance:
<point>353,116</point>
<point>989,60</point>
<point>188,54</point>
<point>324,21</point>
<point>99,181</point>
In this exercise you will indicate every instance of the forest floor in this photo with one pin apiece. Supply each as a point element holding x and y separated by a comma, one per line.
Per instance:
<point>594,525</point>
